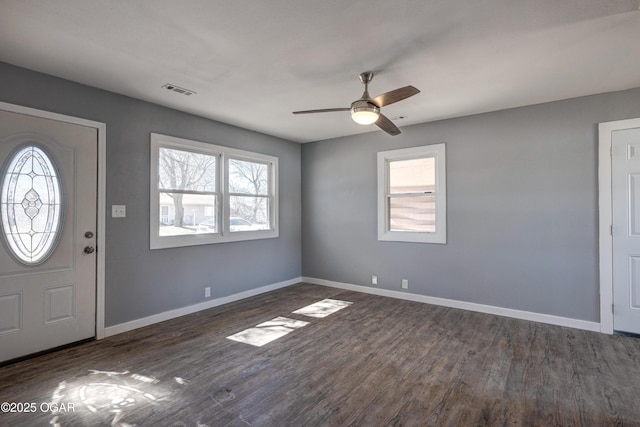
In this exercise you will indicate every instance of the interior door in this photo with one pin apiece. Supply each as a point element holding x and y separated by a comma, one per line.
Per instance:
<point>625,178</point>
<point>48,199</point>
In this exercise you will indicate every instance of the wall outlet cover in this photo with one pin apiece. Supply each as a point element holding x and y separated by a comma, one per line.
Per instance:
<point>118,211</point>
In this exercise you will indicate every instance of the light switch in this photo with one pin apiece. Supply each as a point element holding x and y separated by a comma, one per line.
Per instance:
<point>118,211</point>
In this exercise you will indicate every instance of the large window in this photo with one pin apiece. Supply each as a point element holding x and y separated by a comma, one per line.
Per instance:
<point>203,193</point>
<point>412,195</point>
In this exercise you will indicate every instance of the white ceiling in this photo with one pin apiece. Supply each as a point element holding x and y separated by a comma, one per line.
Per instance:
<point>253,62</point>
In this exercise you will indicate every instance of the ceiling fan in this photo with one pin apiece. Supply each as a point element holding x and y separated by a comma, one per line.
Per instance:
<point>366,110</point>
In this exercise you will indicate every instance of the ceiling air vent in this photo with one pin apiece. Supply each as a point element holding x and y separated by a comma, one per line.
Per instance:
<point>178,89</point>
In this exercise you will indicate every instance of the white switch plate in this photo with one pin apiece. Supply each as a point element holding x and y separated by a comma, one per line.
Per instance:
<point>405,284</point>
<point>118,211</point>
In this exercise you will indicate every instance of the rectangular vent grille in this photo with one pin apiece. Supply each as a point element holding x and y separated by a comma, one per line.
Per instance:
<point>178,89</point>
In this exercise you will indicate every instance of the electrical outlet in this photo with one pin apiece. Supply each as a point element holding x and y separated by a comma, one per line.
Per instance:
<point>118,211</point>
<point>374,280</point>
<point>207,292</point>
<point>405,284</point>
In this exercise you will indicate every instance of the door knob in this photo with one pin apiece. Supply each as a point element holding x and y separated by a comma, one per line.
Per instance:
<point>89,249</point>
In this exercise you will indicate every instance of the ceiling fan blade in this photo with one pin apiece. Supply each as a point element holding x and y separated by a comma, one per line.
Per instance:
<point>394,96</point>
<point>324,110</point>
<point>387,125</point>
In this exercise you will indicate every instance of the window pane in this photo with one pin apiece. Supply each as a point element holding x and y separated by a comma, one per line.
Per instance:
<point>248,177</point>
<point>187,214</point>
<point>412,176</point>
<point>185,170</point>
<point>31,205</point>
<point>412,214</point>
<point>248,213</point>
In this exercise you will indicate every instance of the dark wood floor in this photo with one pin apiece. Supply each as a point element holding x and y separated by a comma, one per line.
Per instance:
<point>377,362</point>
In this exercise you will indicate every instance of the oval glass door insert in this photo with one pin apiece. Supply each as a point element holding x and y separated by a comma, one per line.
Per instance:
<point>31,205</point>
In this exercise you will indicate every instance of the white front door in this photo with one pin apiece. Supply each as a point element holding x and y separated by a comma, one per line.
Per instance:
<point>48,197</point>
<point>625,180</point>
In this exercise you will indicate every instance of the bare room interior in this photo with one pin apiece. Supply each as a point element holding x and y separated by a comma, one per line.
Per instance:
<point>319,213</point>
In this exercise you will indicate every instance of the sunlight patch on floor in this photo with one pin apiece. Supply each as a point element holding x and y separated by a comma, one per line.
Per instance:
<point>266,332</point>
<point>323,308</point>
<point>107,398</point>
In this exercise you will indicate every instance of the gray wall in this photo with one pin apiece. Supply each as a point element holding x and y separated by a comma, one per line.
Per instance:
<point>521,199</point>
<point>140,282</point>
<point>522,206</point>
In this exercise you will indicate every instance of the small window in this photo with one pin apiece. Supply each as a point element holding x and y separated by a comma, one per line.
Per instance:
<point>412,195</point>
<point>203,193</point>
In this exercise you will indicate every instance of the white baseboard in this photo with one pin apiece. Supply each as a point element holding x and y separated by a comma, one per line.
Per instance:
<point>172,314</point>
<point>481,308</point>
<point>488,309</point>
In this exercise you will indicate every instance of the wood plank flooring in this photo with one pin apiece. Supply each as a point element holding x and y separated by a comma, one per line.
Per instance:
<point>378,362</point>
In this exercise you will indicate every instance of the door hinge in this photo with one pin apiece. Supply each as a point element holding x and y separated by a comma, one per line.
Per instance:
<point>611,308</point>
<point>611,230</point>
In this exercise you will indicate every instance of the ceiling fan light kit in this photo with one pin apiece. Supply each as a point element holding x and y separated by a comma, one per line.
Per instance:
<point>366,110</point>
<point>364,113</point>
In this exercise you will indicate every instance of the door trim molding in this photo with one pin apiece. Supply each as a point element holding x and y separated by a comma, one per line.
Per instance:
<point>102,193</point>
<point>605,205</point>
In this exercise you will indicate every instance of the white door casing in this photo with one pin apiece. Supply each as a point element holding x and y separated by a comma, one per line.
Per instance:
<point>54,302</point>
<point>619,235</point>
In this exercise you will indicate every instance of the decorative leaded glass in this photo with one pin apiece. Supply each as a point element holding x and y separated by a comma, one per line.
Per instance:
<point>31,205</point>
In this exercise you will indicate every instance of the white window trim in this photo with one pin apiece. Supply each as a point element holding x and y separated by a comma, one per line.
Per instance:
<point>436,151</point>
<point>224,153</point>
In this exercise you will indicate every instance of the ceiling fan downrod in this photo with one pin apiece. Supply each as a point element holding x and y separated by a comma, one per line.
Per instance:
<point>366,78</point>
<point>363,111</point>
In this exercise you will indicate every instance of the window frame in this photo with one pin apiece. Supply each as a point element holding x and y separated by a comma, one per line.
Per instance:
<point>436,151</point>
<point>228,194</point>
<point>223,154</point>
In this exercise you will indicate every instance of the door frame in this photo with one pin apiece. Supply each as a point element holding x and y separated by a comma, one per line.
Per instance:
<point>605,210</point>
<point>102,200</point>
